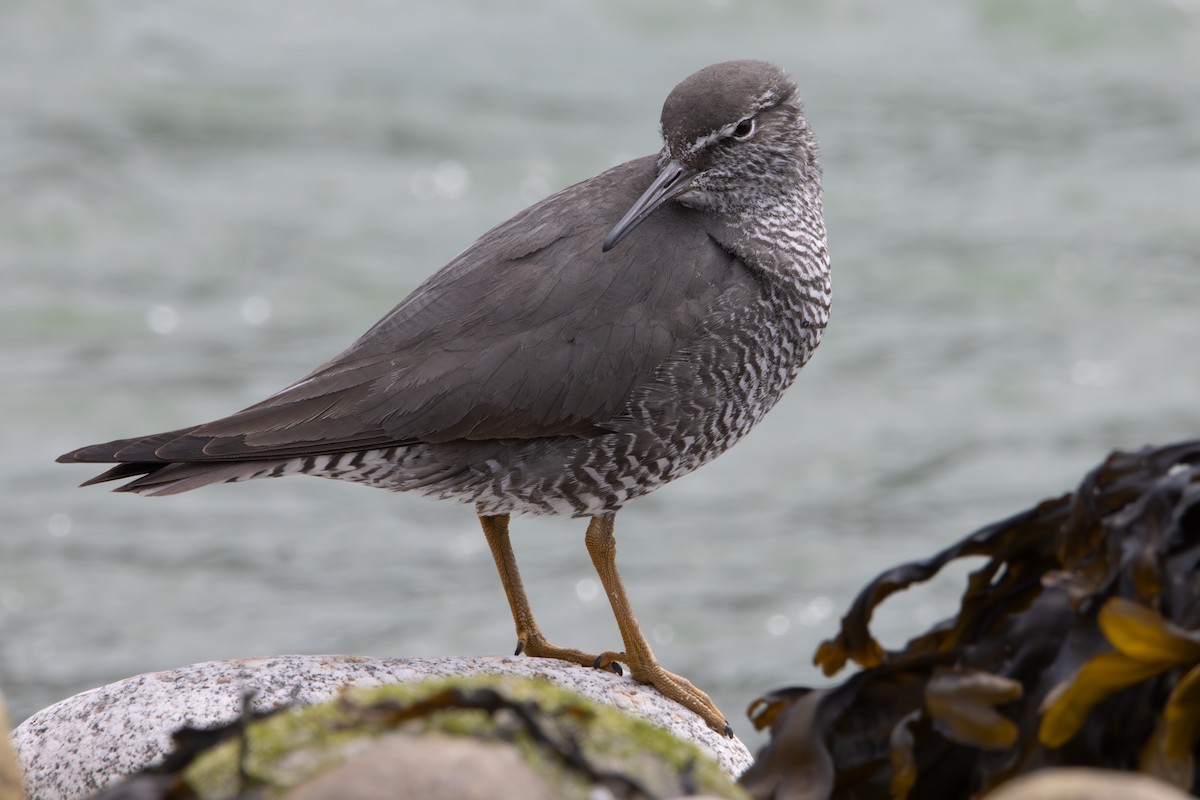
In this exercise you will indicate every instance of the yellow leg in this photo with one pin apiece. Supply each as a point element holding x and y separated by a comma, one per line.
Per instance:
<point>530,640</point>
<point>643,666</point>
<point>602,547</point>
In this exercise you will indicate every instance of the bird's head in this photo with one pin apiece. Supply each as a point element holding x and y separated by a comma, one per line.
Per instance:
<point>734,139</point>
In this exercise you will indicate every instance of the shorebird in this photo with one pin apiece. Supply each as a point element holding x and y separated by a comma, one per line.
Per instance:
<point>608,339</point>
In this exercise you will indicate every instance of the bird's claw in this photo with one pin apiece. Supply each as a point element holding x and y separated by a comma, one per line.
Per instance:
<point>614,665</point>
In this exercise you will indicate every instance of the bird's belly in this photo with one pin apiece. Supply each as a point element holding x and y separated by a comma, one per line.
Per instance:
<point>562,475</point>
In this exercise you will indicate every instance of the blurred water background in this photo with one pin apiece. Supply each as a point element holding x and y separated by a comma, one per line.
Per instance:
<point>200,201</point>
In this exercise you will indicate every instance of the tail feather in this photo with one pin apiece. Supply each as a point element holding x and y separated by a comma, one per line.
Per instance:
<point>123,471</point>
<point>152,479</point>
<point>166,479</point>
<point>137,458</point>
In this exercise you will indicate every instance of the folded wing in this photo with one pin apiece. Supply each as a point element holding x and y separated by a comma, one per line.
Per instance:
<point>530,332</point>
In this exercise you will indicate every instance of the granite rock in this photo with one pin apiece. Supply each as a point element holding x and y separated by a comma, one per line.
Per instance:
<point>402,767</point>
<point>81,744</point>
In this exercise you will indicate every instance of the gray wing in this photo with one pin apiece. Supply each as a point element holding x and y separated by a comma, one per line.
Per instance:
<point>530,332</point>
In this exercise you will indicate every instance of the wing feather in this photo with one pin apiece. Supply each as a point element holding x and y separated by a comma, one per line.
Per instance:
<point>530,332</point>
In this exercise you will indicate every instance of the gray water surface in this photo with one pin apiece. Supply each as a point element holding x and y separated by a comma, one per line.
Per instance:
<point>200,201</point>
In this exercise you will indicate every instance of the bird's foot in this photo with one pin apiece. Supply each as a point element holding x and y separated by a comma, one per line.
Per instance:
<point>646,669</point>
<point>534,644</point>
<point>611,661</point>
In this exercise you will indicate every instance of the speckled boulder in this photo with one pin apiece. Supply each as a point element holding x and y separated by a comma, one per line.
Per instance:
<point>431,767</point>
<point>86,742</point>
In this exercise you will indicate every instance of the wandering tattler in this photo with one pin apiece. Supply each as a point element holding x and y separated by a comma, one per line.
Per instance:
<point>615,336</point>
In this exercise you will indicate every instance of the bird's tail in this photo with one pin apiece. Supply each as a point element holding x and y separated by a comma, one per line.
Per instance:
<point>137,458</point>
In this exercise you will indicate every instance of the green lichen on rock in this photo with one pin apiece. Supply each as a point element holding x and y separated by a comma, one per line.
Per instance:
<point>570,741</point>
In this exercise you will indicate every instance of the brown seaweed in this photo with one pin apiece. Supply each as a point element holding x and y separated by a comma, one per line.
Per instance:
<point>1076,644</point>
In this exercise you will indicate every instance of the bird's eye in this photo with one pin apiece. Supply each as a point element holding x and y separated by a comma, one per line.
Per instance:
<point>745,129</point>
